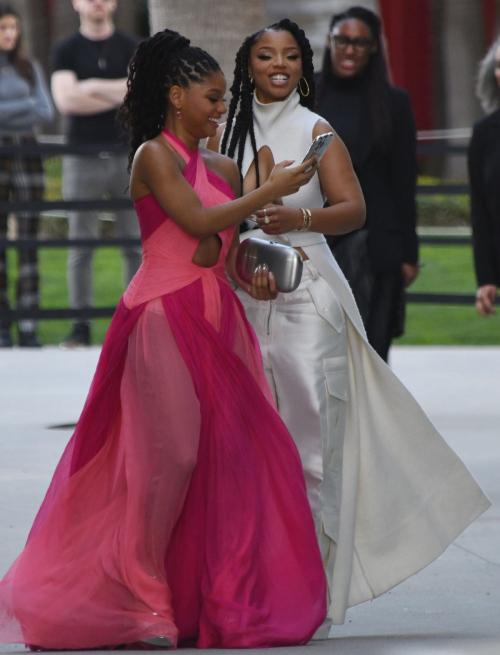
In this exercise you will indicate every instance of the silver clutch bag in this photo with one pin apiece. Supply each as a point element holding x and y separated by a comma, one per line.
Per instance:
<point>284,262</point>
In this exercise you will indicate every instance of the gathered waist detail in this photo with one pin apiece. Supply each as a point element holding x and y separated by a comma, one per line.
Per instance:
<point>160,275</point>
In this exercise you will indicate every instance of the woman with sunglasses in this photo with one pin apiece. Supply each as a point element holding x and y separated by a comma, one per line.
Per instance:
<point>375,121</point>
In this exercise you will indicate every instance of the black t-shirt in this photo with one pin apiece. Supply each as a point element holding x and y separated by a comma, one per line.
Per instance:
<point>107,59</point>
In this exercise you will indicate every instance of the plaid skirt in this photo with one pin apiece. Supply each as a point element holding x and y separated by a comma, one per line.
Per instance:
<point>21,178</point>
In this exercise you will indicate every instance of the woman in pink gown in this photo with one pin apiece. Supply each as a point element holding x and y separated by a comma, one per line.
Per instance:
<point>178,511</point>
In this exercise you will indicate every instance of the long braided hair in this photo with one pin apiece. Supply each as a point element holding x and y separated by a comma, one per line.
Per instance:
<point>164,60</point>
<point>23,65</point>
<point>376,71</point>
<point>243,88</point>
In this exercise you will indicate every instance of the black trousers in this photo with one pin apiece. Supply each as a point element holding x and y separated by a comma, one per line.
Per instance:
<point>383,322</point>
<point>378,294</point>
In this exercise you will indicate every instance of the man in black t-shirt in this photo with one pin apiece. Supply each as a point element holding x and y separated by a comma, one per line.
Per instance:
<point>89,76</point>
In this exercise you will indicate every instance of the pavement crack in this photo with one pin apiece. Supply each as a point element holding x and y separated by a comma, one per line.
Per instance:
<point>471,552</point>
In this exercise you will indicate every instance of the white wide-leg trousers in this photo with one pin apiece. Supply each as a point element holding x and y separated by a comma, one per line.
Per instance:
<point>303,341</point>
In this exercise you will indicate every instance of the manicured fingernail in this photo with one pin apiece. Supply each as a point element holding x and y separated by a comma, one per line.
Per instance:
<point>271,276</point>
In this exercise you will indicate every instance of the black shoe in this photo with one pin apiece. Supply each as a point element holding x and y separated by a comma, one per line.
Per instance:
<point>80,336</point>
<point>28,340</point>
<point>5,338</point>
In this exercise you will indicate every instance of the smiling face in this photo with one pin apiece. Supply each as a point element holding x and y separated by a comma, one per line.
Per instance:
<point>9,33</point>
<point>275,65</point>
<point>351,59</point>
<point>201,105</point>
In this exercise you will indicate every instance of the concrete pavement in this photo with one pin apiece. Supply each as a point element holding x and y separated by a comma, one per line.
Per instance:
<point>450,608</point>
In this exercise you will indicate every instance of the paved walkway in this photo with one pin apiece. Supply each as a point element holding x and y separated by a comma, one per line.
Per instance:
<point>450,608</point>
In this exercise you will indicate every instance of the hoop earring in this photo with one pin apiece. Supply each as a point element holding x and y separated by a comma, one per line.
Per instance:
<point>300,87</point>
<point>178,113</point>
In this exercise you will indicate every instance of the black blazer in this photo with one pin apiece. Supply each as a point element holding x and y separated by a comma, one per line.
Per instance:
<point>484,174</point>
<point>388,181</point>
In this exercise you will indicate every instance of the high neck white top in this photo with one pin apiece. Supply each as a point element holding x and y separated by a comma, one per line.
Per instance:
<point>286,128</point>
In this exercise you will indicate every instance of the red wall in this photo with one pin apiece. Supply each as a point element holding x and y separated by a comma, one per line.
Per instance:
<point>490,22</point>
<point>407,25</point>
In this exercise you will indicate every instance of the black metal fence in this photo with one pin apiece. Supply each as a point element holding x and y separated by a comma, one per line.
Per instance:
<point>113,204</point>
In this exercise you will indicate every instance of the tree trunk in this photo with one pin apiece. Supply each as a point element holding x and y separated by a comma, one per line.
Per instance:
<point>219,27</point>
<point>460,32</point>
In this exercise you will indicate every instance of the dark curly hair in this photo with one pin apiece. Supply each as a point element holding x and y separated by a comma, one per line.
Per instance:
<point>23,65</point>
<point>243,87</point>
<point>379,86</point>
<point>164,60</point>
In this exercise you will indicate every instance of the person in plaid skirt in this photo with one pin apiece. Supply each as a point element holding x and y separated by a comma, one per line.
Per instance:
<point>24,102</point>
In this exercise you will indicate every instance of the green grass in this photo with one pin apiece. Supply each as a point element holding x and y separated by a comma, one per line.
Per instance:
<point>446,269</point>
<point>107,289</point>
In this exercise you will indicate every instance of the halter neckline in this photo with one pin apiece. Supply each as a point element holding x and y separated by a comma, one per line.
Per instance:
<point>178,142</point>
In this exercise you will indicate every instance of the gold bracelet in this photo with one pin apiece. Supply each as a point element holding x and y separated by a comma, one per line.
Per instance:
<point>307,220</point>
<point>304,218</point>
<point>309,217</point>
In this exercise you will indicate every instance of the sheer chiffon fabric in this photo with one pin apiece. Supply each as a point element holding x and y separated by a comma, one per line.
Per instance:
<point>179,505</point>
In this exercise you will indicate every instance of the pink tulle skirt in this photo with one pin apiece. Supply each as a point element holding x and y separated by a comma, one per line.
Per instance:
<point>179,506</point>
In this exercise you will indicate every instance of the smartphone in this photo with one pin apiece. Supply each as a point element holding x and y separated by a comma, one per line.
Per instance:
<point>318,147</point>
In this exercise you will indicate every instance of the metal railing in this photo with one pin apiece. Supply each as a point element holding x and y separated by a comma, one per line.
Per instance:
<point>56,147</point>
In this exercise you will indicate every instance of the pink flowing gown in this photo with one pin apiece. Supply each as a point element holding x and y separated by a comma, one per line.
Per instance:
<point>179,506</point>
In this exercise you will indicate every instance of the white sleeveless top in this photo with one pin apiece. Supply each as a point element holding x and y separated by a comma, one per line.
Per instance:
<point>286,128</point>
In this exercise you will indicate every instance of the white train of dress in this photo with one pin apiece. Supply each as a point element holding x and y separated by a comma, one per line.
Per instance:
<point>392,495</point>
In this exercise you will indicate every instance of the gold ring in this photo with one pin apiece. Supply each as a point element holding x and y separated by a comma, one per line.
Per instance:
<point>265,211</point>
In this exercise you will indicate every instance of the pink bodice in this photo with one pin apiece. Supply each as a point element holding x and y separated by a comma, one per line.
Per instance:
<point>168,250</point>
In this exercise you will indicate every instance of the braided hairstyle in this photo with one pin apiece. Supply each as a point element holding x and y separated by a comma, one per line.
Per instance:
<point>164,60</point>
<point>243,87</point>
<point>379,86</point>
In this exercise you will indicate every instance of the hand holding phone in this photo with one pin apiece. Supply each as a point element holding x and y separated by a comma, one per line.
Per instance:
<point>318,147</point>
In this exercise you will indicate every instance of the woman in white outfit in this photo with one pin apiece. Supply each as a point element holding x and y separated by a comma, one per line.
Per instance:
<point>386,492</point>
